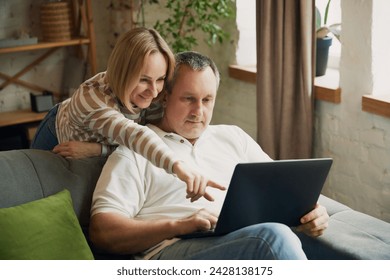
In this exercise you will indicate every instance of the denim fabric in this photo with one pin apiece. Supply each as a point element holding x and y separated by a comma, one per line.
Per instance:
<point>267,241</point>
<point>46,136</point>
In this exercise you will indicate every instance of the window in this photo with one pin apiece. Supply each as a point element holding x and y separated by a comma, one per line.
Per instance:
<point>245,69</point>
<point>334,16</point>
<point>246,20</point>
<point>246,24</point>
<point>380,54</point>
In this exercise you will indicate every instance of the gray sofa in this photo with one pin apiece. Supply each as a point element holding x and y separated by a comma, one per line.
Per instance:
<point>28,175</point>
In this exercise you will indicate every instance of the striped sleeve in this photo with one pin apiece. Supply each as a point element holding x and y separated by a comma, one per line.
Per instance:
<point>94,115</point>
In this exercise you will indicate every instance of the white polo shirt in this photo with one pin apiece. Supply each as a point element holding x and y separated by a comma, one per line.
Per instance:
<point>132,186</point>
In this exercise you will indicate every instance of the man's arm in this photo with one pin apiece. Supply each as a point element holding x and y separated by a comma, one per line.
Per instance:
<point>122,235</point>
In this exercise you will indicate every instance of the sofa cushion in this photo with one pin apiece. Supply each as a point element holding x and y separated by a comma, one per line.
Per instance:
<point>332,206</point>
<point>43,229</point>
<point>30,174</point>
<point>19,181</point>
<point>359,235</point>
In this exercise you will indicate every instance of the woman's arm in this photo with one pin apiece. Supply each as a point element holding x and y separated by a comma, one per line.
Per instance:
<point>100,115</point>
<point>79,149</point>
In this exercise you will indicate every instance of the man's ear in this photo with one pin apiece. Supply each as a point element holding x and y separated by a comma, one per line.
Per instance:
<point>164,98</point>
<point>160,97</point>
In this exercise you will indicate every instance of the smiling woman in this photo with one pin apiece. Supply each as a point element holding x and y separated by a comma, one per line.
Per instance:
<point>107,108</point>
<point>151,82</point>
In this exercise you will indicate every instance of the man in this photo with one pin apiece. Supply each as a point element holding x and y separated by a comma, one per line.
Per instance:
<point>138,209</point>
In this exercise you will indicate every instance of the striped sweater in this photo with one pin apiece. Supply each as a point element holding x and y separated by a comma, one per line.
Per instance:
<point>94,114</point>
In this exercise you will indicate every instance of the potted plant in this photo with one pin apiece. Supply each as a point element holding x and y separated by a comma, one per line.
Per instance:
<point>323,40</point>
<point>185,20</point>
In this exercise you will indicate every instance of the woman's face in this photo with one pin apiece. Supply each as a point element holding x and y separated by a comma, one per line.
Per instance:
<point>151,81</point>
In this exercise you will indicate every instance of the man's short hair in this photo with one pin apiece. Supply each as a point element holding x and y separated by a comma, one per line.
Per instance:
<point>196,62</point>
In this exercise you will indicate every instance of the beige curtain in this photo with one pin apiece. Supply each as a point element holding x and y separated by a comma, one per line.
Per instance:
<point>285,54</point>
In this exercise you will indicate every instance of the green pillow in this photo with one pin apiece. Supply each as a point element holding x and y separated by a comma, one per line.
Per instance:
<point>45,229</point>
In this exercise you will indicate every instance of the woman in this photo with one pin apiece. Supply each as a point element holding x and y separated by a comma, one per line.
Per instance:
<point>108,109</point>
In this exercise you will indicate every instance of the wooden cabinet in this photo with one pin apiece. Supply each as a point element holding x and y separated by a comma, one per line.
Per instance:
<point>85,36</point>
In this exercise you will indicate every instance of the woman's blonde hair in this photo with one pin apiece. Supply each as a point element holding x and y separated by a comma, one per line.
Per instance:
<point>128,58</point>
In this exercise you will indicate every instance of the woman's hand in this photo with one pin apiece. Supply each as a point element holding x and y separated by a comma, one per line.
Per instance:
<point>196,183</point>
<point>78,149</point>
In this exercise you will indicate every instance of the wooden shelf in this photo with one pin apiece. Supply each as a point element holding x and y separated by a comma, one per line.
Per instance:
<point>322,91</point>
<point>27,120</point>
<point>246,74</point>
<point>332,95</point>
<point>83,18</point>
<point>45,45</point>
<point>20,117</point>
<point>376,105</point>
<point>84,27</point>
<point>326,87</point>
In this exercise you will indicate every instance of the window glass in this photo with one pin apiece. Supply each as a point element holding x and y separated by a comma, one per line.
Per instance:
<point>246,24</point>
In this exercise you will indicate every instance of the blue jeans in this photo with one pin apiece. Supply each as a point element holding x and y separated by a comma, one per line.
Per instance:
<point>267,241</point>
<point>46,136</point>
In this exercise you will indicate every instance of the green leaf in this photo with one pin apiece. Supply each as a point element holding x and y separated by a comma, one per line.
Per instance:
<point>326,12</point>
<point>196,15</point>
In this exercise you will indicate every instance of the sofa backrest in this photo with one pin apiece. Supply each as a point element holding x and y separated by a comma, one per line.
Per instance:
<point>29,174</point>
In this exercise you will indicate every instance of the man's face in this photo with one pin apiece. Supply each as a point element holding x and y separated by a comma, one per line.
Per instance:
<point>190,105</point>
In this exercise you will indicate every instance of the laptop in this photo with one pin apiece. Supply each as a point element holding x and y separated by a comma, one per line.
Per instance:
<point>278,191</point>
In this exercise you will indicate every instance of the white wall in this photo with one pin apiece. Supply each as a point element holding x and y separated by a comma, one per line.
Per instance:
<point>358,141</point>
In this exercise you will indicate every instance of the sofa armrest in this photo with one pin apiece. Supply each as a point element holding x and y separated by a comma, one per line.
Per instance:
<point>350,235</point>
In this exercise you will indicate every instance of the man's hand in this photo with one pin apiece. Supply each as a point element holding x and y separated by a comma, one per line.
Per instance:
<point>78,149</point>
<point>196,183</point>
<point>315,222</point>
<point>202,220</point>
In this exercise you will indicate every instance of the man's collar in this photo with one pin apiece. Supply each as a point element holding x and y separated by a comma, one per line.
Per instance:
<point>177,137</point>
